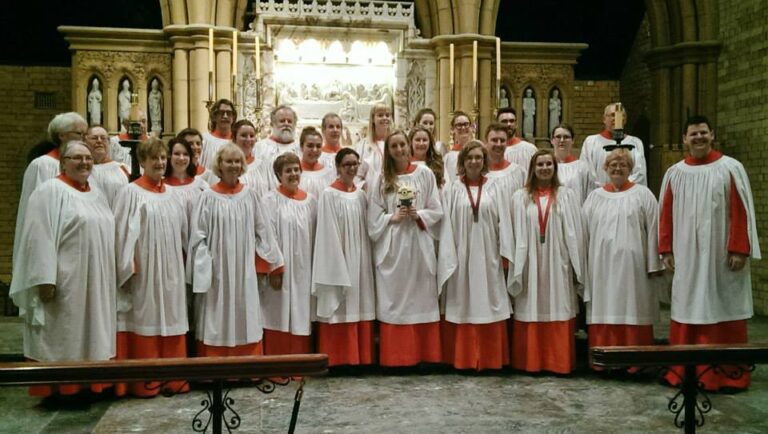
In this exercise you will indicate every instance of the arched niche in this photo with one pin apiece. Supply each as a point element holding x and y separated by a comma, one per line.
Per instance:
<point>95,99</point>
<point>555,105</point>
<point>527,113</point>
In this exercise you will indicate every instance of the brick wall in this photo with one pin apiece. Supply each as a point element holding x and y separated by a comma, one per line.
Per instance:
<point>743,111</point>
<point>21,127</point>
<point>589,101</point>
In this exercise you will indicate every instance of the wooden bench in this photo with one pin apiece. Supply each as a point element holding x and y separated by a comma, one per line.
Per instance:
<point>689,356</point>
<point>215,369</point>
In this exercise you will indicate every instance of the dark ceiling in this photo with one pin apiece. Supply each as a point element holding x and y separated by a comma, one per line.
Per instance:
<point>28,34</point>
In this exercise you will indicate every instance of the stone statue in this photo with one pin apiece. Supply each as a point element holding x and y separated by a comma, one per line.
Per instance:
<point>155,100</point>
<point>555,109</point>
<point>529,112</point>
<point>94,103</point>
<point>124,102</point>
<point>503,99</point>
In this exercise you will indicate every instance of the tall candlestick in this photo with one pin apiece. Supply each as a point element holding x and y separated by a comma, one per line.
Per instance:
<point>474,61</point>
<point>450,64</point>
<point>234,52</point>
<point>210,50</point>
<point>258,58</point>
<point>498,59</point>
<point>618,123</point>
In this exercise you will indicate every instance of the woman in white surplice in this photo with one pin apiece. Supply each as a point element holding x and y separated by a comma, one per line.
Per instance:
<point>258,175</point>
<point>292,216</point>
<point>315,175</point>
<point>549,239</point>
<point>423,152</point>
<point>622,231</point>
<point>342,276</point>
<point>109,175</point>
<point>371,148</point>
<point>572,172</point>
<point>64,278</point>
<point>181,174</point>
<point>404,212</point>
<point>150,238</point>
<point>195,140</point>
<point>228,229</point>
<point>476,233</point>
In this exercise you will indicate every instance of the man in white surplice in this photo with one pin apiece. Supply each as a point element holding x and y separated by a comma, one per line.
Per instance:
<point>283,119</point>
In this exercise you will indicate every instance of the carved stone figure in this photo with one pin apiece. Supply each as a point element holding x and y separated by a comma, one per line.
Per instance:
<point>124,102</point>
<point>503,99</point>
<point>94,103</point>
<point>155,100</point>
<point>555,109</point>
<point>529,113</point>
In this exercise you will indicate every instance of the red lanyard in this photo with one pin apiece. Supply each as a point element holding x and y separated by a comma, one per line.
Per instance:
<point>475,205</point>
<point>545,217</point>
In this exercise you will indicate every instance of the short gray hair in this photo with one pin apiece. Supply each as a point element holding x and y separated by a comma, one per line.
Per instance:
<point>63,122</point>
<point>65,150</point>
<point>273,113</point>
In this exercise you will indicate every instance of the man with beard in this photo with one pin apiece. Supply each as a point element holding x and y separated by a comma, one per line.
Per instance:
<point>518,150</point>
<point>223,116</point>
<point>283,119</point>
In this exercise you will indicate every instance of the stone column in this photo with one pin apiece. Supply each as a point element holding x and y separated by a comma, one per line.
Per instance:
<point>198,82</point>
<point>180,90</point>
<point>223,72</point>
<point>109,102</point>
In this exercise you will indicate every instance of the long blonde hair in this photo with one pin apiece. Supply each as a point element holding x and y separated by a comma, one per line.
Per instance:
<point>389,168</point>
<point>378,107</point>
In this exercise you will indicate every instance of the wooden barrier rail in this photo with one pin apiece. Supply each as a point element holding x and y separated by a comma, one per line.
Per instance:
<point>744,356</point>
<point>215,369</point>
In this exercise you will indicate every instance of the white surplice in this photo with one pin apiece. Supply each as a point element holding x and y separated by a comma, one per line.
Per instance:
<point>450,162</point>
<point>470,260</point>
<point>593,154</point>
<point>704,289</point>
<point>543,273</point>
<point>69,243</point>
<point>269,149</point>
<point>119,153</point>
<point>259,177</point>
<point>520,154</point>
<point>509,180</point>
<point>41,169</point>
<point>211,145</point>
<point>404,254</point>
<point>110,177</point>
<point>150,238</point>
<point>189,193</point>
<point>577,176</point>
<point>293,223</point>
<point>315,181</point>
<point>342,276</point>
<point>371,162</point>
<point>227,232</point>
<point>328,159</point>
<point>622,246</point>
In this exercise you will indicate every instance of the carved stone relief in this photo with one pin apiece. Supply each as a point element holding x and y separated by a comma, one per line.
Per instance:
<point>415,88</point>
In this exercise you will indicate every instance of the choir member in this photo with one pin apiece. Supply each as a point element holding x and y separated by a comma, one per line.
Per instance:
<point>283,120</point>
<point>315,175</point>
<point>181,173</point>
<point>223,117</point>
<point>403,220</point>
<point>331,127</point>
<point>461,132</point>
<point>371,148</point>
<point>122,154</point>
<point>549,237</point>
<point>342,272</point>
<point>292,216</point>
<point>707,234</point>
<point>110,176</point>
<point>258,175</point>
<point>150,238</point>
<point>426,118</point>
<point>518,150</point>
<point>195,140</point>
<point>622,244</point>
<point>228,229</point>
<point>476,234</point>
<point>45,164</point>
<point>423,152</point>
<point>64,282</point>
<point>571,171</point>
<point>593,154</point>
<point>509,176</point>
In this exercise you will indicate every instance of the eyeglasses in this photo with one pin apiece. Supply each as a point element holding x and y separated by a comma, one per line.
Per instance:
<point>77,133</point>
<point>462,125</point>
<point>81,158</point>
<point>99,138</point>
<point>225,112</point>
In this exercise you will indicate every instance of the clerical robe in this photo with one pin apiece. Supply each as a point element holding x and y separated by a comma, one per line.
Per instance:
<point>406,270</point>
<point>188,191</point>
<point>593,154</point>
<point>543,280</point>
<point>110,177</point>
<point>342,277</point>
<point>450,162</point>
<point>268,149</point>
<point>259,176</point>
<point>119,153</point>
<point>576,175</point>
<point>520,152</point>
<point>212,142</point>
<point>509,177</point>
<point>328,157</point>
<point>316,179</point>
<point>371,162</point>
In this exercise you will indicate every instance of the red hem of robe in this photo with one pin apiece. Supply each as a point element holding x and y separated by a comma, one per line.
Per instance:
<point>254,349</point>
<point>276,342</point>
<point>350,343</point>
<point>475,346</point>
<point>46,390</point>
<point>727,332</point>
<point>409,344</point>
<point>619,335</point>
<point>544,346</point>
<point>134,346</point>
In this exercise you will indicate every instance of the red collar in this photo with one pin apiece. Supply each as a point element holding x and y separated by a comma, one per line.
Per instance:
<point>124,136</point>
<point>175,182</point>
<point>475,183</point>
<point>55,153</point>
<point>148,184</point>
<point>569,159</point>
<point>543,191</point>
<point>275,139</point>
<point>456,147</point>
<point>709,158</point>
<point>249,159</point>
<point>608,134</point>
<point>410,169</point>
<point>501,166</point>
<point>311,168</point>
<point>299,194</point>
<point>199,170</point>
<point>222,188</point>
<point>220,135</point>
<point>330,149</point>
<point>418,159</point>
<point>513,141</point>
<point>339,185</point>
<point>70,182</point>
<point>612,189</point>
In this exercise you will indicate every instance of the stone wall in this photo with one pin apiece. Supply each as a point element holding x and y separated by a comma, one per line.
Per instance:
<point>589,101</point>
<point>21,127</point>
<point>742,111</point>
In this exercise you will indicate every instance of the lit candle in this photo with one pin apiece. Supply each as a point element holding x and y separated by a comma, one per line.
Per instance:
<point>258,58</point>
<point>474,61</point>
<point>450,64</point>
<point>498,58</point>
<point>234,52</point>
<point>210,50</point>
<point>618,123</point>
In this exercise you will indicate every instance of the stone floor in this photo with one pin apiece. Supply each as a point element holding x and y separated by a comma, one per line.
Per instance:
<point>432,401</point>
